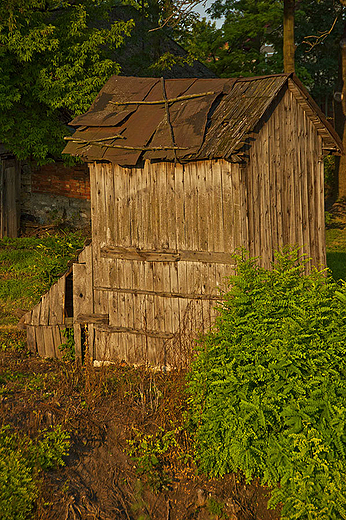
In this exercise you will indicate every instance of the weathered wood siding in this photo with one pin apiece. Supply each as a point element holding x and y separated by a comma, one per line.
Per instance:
<point>9,197</point>
<point>162,237</point>
<point>285,184</point>
<point>46,322</point>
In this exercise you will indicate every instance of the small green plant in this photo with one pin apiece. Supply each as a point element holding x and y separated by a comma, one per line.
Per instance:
<point>68,348</point>
<point>216,508</point>
<point>21,460</point>
<point>12,340</point>
<point>148,452</point>
<point>268,387</point>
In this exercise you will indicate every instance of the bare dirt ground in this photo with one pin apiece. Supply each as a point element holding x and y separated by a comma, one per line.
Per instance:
<point>103,409</point>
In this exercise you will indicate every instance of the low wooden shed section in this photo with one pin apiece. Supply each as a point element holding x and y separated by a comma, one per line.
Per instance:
<point>183,172</point>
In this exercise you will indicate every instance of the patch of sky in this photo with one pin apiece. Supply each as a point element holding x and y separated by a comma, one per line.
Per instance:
<point>202,8</point>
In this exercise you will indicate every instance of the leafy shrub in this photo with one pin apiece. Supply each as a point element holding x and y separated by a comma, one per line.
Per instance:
<point>268,388</point>
<point>148,451</point>
<point>21,460</point>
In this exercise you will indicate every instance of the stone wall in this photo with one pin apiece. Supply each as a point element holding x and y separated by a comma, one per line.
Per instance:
<point>55,194</point>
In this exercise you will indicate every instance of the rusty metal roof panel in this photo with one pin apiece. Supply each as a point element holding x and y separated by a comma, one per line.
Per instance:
<point>188,119</point>
<point>118,88</point>
<point>175,119</point>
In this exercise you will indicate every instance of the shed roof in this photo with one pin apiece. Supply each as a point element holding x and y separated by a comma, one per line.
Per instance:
<point>184,119</point>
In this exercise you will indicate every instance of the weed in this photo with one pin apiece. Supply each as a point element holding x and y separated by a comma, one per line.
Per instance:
<point>216,508</point>
<point>68,348</point>
<point>12,340</point>
<point>148,451</point>
<point>21,461</point>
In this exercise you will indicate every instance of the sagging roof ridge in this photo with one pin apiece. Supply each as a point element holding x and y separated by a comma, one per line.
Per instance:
<point>237,105</point>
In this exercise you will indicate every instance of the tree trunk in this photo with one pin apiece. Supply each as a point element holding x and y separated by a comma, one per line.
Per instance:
<point>340,117</point>
<point>289,45</point>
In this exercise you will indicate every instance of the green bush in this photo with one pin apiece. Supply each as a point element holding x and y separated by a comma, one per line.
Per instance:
<point>21,460</point>
<point>268,388</point>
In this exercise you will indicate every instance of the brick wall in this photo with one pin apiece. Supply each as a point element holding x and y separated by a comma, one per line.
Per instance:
<point>55,193</point>
<point>61,180</point>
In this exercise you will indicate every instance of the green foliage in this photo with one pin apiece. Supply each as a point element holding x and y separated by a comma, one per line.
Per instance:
<point>268,386</point>
<point>68,348</point>
<point>148,452</point>
<point>29,266</point>
<point>216,508</point>
<point>51,449</point>
<point>329,175</point>
<point>237,48</point>
<point>12,340</point>
<point>55,56</point>
<point>21,460</point>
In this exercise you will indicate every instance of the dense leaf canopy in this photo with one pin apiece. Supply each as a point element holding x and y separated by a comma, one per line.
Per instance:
<point>240,47</point>
<point>55,55</point>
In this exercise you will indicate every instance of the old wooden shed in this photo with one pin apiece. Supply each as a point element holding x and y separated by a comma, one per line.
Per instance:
<point>183,172</point>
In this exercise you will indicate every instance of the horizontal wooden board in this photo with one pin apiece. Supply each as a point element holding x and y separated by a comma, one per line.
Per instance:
<point>92,318</point>
<point>209,257</point>
<point>141,332</point>
<point>158,293</point>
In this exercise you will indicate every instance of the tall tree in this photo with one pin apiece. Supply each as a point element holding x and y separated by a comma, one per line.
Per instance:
<point>288,39</point>
<point>55,55</point>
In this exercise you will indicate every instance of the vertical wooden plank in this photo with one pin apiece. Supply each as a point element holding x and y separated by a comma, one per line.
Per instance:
<point>154,201</point>
<point>228,207</point>
<point>45,309</point>
<point>109,203</point>
<point>57,302</point>
<point>171,206</point>
<point>243,195</point>
<point>163,206</point>
<point>217,206</point>
<point>298,175</point>
<point>36,313</point>
<point>310,185</point>
<point>40,341</point>
<point>48,342</point>
<point>31,338</point>
<point>278,173</point>
<point>321,242</point>
<point>58,340</point>
<point>174,288</point>
<point>267,201</point>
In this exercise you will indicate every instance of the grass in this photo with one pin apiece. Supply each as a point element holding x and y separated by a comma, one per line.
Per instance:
<point>29,266</point>
<point>336,247</point>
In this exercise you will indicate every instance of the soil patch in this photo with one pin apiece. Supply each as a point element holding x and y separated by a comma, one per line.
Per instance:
<point>104,409</point>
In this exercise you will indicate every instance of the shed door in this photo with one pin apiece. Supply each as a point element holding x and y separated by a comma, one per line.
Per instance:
<point>9,198</point>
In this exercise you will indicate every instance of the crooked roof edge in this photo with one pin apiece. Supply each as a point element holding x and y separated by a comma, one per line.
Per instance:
<point>308,100</point>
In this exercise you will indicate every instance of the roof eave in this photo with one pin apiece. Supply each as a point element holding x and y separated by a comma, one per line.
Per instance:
<point>326,130</point>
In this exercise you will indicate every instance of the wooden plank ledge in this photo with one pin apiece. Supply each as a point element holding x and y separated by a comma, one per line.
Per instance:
<point>146,255</point>
<point>141,332</point>
<point>188,296</point>
<point>93,318</point>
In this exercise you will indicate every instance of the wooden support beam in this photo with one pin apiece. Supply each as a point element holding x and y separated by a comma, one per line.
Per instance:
<point>141,332</point>
<point>93,318</point>
<point>189,296</point>
<point>128,253</point>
